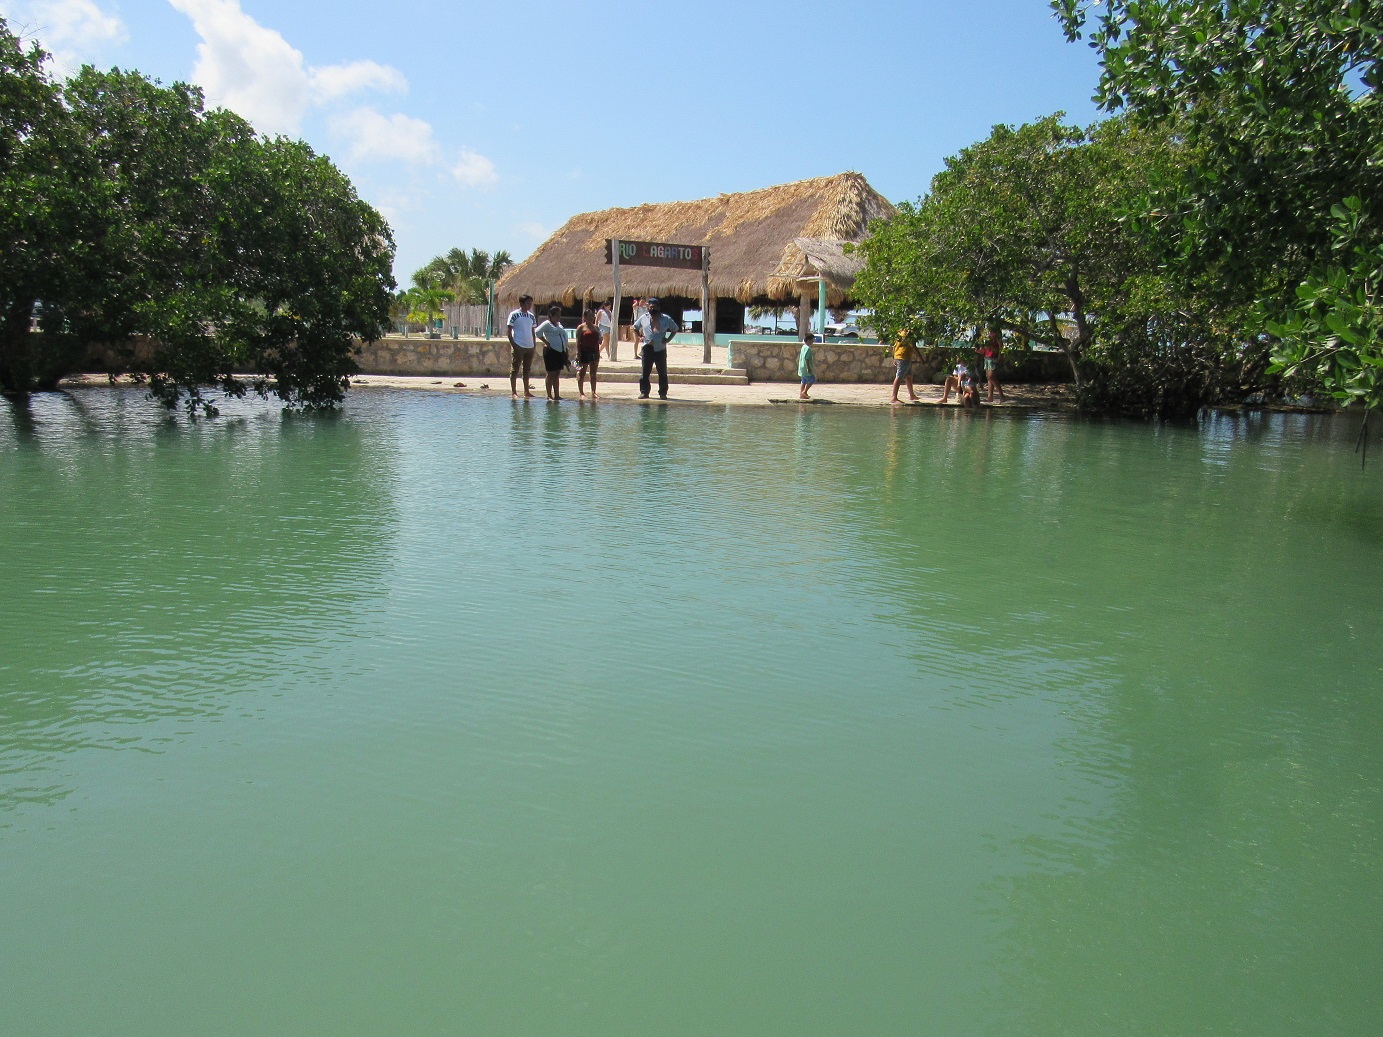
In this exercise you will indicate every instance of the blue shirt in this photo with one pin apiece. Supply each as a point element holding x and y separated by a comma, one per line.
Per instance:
<point>553,335</point>
<point>656,338</point>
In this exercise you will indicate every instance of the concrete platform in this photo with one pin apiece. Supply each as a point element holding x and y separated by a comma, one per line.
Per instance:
<point>699,374</point>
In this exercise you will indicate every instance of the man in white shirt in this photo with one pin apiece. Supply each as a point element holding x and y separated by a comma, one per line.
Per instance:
<point>521,324</point>
<point>654,330</point>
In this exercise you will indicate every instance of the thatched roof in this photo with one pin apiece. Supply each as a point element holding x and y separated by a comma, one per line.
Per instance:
<point>807,259</point>
<point>760,242</point>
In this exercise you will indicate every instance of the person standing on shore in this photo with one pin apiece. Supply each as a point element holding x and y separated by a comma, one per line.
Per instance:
<point>990,351</point>
<point>555,356</point>
<point>588,339</point>
<point>640,312</point>
<point>520,330</point>
<point>904,353</point>
<point>806,365</point>
<point>605,323</point>
<point>654,330</point>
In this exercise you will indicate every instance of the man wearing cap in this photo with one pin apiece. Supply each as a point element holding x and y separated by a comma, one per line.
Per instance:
<point>654,330</point>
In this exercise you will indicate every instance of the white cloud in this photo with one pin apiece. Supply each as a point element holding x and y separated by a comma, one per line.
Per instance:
<point>254,71</point>
<point>372,137</point>
<point>474,170</point>
<point>333,81</point>
<point>73,31</point>
<point>533,230</point>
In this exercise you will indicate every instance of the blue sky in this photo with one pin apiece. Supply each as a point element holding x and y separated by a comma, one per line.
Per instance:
<point>488,125</point>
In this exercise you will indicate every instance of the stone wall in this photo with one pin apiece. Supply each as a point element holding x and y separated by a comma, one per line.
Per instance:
<point>417,355</point>
<point>766,361</point>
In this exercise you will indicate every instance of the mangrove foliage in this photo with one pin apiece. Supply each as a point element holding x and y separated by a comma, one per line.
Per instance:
<point>170,241</point>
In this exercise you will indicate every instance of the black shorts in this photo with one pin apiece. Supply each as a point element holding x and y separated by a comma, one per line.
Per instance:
<point>554,359</point>
<point>586,356</point>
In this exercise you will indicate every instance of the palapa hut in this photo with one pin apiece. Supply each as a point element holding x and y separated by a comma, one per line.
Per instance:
<point>767,248</point>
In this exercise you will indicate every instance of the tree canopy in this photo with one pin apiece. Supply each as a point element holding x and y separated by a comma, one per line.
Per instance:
<point>1040,231</point>
<point>1280,98</point>
<point>172,235</point>
<point>465,276</point>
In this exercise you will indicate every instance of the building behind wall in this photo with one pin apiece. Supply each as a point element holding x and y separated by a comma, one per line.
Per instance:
<point>767,248</point>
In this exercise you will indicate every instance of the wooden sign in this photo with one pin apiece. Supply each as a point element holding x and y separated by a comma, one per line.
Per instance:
<point>657,253</point>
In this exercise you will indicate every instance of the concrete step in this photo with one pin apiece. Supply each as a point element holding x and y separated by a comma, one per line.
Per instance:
<point>687,374</point>
<point>681,375</point>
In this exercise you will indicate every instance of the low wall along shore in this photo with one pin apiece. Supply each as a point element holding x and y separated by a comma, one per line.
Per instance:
<point>760,361</point>
<point>436,356</point>
<point>777,362</point>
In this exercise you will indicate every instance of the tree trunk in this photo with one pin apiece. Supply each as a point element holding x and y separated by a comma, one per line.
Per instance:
<point>1065,346</point>
<point>15,374</point>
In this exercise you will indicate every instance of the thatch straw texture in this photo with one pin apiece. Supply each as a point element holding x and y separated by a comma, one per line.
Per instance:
<point>760,242</point>
<point>809,258</point>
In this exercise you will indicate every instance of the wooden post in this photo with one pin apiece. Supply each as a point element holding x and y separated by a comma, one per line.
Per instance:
<point>804,311</point>
<point>614,316</point>
<point>708,308</point>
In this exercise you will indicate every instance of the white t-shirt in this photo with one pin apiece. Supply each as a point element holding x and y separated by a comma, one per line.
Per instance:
<point>602,319</point>
<point>523,325</point>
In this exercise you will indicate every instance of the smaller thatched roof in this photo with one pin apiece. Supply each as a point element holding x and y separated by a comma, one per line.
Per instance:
<point>807,259</point>
<point>761,242</point>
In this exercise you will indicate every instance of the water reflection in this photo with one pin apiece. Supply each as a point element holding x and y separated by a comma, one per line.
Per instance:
<point>155,565</point>
<point>862,722</point>
<point>1219,759</point>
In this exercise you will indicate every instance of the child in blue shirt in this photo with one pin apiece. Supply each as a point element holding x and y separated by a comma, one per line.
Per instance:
<point>806,365</point>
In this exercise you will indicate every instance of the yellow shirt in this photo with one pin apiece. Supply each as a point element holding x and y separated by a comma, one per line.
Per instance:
<point>903,348</point>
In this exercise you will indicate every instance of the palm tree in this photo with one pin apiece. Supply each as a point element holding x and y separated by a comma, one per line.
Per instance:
<point>425,304</point>
<point>467,276</point>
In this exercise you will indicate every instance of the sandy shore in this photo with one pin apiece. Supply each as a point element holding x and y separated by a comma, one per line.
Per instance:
<point>759,394</point>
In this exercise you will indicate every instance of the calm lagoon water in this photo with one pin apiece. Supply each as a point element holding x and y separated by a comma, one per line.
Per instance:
<point>447,715</point>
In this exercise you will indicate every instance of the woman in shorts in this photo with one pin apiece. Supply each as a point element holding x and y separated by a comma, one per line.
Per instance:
<point>588,340</point>
<point>990,352</point>
<point>555,356</point>
<point>605,323</point>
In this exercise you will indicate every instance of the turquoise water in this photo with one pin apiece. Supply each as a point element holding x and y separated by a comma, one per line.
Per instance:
<point>451,715</point>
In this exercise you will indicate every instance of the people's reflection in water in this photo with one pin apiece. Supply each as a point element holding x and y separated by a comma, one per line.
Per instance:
<point>653,424</point>
<point>894,432</point>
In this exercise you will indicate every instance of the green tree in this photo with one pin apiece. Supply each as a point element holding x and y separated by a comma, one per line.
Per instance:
<point>1045,231</point>
<point>425,304</point>
<point>41,207</point>
<point>466,276</point>
<point>174,236</point>
<point>1280,99</point>
<point>1013,234</point>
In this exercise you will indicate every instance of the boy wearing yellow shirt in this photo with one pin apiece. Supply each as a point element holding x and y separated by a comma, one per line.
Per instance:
<point>904,353</point>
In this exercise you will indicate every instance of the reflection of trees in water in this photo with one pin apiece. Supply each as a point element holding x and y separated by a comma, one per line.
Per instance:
<point>1234,887</point>
<point>1227,880</point>
<point>1192,614</point>
<point>168,564</point>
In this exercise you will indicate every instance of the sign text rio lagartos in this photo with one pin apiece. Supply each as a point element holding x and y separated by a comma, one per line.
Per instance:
<point>656,253</point>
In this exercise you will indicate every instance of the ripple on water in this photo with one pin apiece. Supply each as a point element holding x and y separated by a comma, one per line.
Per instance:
<point>553,699</point>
